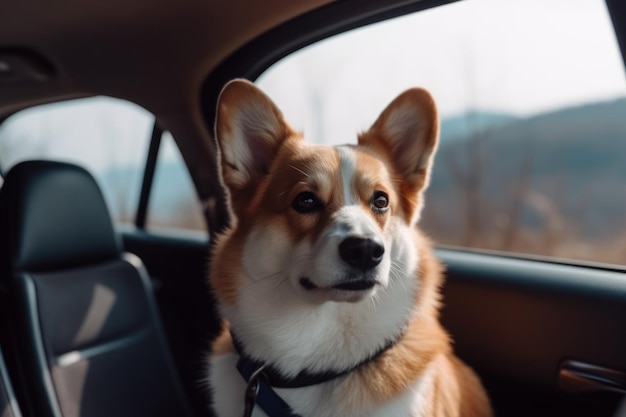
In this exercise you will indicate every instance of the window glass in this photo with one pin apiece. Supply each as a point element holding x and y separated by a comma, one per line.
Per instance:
<point>173,202</point>
<point>107,136</point>
<point>531,94</point>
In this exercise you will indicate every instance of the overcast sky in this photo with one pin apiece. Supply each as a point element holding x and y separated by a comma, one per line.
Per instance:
<point>520,57</point>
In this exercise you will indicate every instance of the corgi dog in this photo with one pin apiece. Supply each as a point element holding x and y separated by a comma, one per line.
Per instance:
<point>329,292</point>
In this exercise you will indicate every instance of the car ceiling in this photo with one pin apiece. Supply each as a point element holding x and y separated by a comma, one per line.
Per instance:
<point>155,53</point>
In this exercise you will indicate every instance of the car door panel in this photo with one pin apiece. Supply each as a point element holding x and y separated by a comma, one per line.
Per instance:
<point>517,321</point>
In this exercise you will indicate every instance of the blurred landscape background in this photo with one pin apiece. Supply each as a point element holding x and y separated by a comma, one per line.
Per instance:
<point>553,184</point>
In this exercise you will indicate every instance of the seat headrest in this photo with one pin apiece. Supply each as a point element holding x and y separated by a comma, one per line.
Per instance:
<point>53,215</point>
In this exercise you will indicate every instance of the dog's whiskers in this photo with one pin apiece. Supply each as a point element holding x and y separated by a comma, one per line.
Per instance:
<point>396,274</point>
<point>395,270</point>
<point>268,276</point>
<point>300,171</point>
<point>376,299</point>
<point>304,257</point>
<point>278,286</point>
<point>263,278</point>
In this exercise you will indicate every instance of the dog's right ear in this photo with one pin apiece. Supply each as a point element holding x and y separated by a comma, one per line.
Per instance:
<point>249,129</point>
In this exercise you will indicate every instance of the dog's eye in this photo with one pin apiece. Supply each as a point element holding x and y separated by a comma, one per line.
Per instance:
<point>307,202</point>
<point>380,201</point>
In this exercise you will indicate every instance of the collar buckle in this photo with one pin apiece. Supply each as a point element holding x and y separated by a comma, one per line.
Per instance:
<point>252,391</point>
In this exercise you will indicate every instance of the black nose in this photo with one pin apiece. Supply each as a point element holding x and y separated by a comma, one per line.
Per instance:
<point>361,253</point>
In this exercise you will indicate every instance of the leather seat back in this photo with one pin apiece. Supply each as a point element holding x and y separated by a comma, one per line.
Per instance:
<point>8,404</point>
<point>86,324</point>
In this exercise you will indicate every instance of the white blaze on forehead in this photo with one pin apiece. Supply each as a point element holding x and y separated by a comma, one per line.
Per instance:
<point>347,160</point>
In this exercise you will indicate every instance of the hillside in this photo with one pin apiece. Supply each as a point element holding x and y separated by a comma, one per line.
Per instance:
<point>461,126</point>
<point>562,172</point>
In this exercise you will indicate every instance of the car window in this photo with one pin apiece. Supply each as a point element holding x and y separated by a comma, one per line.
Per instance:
<point>110,138</point>
<point>531,94</point>
<point>173,199</point>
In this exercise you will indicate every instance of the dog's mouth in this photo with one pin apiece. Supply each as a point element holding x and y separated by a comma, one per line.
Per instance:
<point>307,284</point>
<point>352,285</point>
<point>359,285</point>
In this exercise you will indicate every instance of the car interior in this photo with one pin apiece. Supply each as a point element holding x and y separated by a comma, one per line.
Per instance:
<point>99,317</point>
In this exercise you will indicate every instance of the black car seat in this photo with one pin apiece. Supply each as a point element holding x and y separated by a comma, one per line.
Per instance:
<point>86,332</point>
<point>8,404</point>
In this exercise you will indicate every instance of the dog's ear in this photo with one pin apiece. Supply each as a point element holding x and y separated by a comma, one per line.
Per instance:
<point>407,133</point>
<point>249,129</point>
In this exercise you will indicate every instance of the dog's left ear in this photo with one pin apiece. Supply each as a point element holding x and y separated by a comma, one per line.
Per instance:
<point>249,129</point>
<point>407,132</point>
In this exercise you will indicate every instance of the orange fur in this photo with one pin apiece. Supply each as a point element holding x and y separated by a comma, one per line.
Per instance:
<point>223,344</point>
<point>375,177</point>
<point>225,267</point>
<point>457,390</point>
